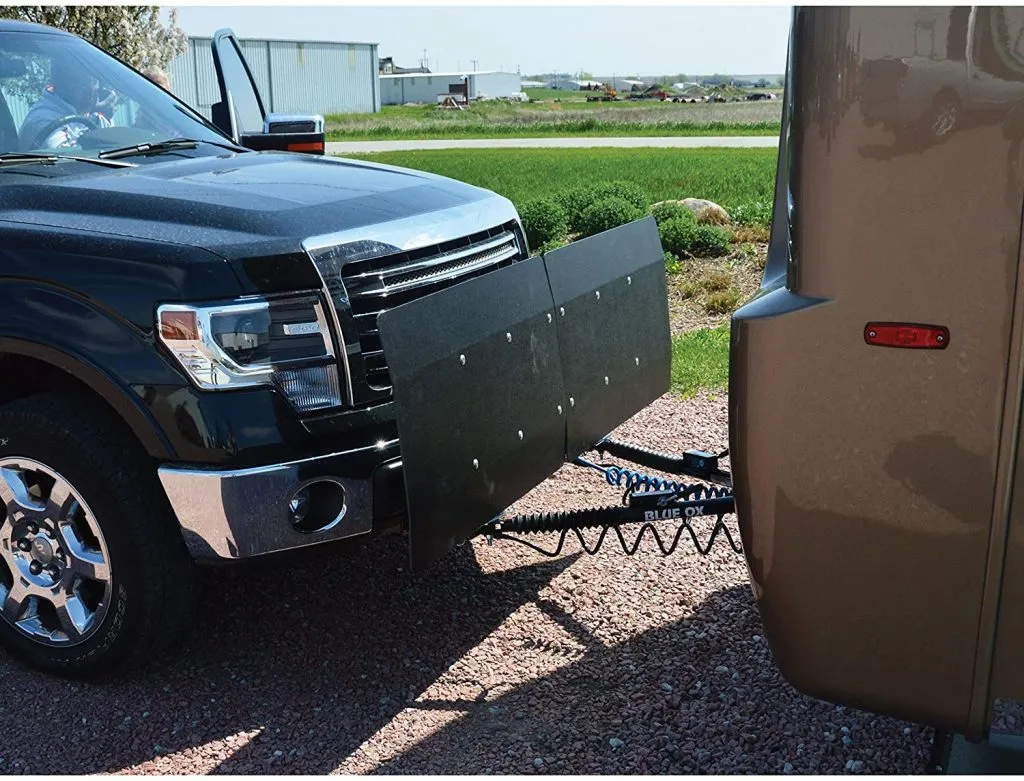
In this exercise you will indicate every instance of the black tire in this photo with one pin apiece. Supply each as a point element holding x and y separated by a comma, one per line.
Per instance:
<point>151,573</point>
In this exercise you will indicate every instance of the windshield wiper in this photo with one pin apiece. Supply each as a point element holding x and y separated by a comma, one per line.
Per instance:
<point>156,147</point>
<point>21,158</point>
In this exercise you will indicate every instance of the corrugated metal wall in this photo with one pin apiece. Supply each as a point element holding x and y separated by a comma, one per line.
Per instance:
<point>292,76</point>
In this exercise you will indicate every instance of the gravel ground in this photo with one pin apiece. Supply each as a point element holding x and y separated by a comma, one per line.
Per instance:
<point>489,663</point>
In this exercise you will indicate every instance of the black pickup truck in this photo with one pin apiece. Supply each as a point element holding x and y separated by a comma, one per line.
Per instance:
<point>193,347</point>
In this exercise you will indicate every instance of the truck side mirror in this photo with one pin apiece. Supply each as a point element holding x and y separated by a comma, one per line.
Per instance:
<point>290,133</point>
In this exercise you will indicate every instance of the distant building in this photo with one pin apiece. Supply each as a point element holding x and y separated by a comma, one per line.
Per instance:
<point>397,89</point>
<point>293,77</point>
<point>387,67</point>
<point>575,84</point>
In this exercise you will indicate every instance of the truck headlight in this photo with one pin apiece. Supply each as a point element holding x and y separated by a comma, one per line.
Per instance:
<point>283,343</point>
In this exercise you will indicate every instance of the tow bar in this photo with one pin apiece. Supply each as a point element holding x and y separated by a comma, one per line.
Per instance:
<point>647,499</point>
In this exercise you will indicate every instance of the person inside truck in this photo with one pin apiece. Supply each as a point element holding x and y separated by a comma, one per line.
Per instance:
<point>73,97</point>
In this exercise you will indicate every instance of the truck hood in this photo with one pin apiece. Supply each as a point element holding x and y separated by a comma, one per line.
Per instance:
<point>234,205</point>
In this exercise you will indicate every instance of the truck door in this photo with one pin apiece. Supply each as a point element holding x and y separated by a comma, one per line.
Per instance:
<point>242,114</point>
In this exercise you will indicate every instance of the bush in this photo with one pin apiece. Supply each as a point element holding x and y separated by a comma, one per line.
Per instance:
<point>574,202</point>
<point>717,281</point>
<point>627,191</point>
<point>684,238</point>
<point>544,221</point>
<point>710,241</point>
<point>607,214</point>
<point>722,302</point>
<point>753,213</point>
<point>669,210</point>
<point>672,264</point>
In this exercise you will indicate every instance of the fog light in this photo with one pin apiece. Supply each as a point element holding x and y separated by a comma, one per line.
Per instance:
<point>317,506</point>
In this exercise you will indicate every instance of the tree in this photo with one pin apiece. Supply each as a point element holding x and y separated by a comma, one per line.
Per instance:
<point>135,34</point>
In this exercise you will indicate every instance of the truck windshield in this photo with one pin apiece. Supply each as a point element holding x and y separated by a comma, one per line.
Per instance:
<point>59,94</point>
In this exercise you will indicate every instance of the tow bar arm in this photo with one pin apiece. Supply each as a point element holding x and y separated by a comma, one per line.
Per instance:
<point>647,500</point>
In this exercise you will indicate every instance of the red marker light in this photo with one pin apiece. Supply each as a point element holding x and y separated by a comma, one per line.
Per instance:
<point>907,335</point>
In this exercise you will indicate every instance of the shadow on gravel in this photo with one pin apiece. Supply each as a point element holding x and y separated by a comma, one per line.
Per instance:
<point>314,658</point>
<point>311,660</point>
<point>700,695</point>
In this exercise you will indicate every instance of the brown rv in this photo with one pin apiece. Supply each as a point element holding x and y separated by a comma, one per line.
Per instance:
<point>875,387</point>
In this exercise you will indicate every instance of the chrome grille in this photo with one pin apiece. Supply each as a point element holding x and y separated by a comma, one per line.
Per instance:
<point>377,284</point>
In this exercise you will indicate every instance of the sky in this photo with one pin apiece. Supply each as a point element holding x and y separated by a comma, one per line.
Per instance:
<point>603,40</point>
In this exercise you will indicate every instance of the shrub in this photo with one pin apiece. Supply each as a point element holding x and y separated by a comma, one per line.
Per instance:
<point>607,214</point>
<point>668,210</point>
<point>717,281</point>
<point>574,202</point>
<point>685,238</point>
<point>544,220</point>
<point>722,302</point>
<point>672,264</point>
<point>753,213</point>
<point>710,241</point>
<point>627,191</point>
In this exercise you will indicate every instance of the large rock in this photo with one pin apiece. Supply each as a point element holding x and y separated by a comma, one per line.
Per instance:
<point>707,212</point>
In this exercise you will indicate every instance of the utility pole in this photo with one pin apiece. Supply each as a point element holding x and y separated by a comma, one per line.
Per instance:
<point>475,64</point>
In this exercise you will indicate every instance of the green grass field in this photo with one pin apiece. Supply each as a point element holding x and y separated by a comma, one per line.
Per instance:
<point>700,361</point>
<point>571,117</point>
<point>730,177</point>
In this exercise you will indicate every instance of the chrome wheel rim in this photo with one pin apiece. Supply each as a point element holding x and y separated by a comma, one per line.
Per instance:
<point>55,584</point>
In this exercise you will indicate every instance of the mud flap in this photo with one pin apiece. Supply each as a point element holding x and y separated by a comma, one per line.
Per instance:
<point>495,387</point>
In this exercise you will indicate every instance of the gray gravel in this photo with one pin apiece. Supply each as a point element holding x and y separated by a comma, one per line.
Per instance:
<point>492,662</point>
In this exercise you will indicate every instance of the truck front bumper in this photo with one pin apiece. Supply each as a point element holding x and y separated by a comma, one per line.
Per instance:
<point>242,513</point>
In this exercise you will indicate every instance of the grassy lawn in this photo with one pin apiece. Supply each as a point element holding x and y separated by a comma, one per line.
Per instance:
<point>571,117</point>
<point>729,177</point>
<point>700,361</point>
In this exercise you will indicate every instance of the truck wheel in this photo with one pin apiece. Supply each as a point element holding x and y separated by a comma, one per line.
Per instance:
<point>93,571</point>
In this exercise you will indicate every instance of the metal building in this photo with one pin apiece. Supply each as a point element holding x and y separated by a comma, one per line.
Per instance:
<point>402,88</point>
<point>308,77</point>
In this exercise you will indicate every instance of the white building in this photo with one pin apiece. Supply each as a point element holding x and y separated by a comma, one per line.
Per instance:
<point>293,77</point>
<point>399,88</point>
<point>574,84</point>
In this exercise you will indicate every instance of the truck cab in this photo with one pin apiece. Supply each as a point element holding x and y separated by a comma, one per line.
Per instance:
<point>191,364</point>
<point>218,344</point>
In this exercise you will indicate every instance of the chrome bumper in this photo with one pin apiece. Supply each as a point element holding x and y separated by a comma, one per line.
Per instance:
<point>241,513</point>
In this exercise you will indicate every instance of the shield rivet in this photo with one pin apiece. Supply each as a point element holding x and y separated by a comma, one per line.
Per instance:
<point>462,359</point>
<point>520,436</point>
<point>572,402</point>
<point>637,361</point>
<point>605,380</point>
<point>597,294</point>
<point>629,280</point>
<point>559,409</point>
<point>549,317</point>
<point>561,311</point>
<point>476,464</point>
<point>508,337</point>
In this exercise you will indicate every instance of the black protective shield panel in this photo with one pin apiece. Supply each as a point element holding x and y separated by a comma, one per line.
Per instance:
<point>459,422</point>
<point>614,336</point>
